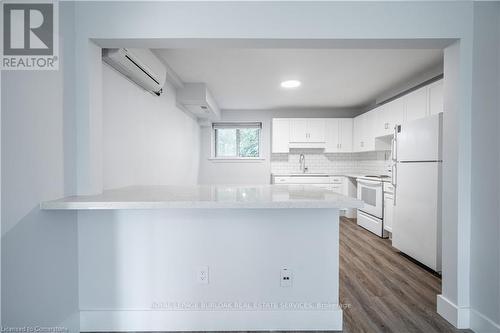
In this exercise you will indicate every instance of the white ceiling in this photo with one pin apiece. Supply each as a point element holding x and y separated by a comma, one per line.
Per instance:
<point>331,78</point>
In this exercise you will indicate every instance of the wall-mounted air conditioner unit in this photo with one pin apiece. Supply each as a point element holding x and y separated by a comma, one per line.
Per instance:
<point>139,65</point>
<point>195,98</point>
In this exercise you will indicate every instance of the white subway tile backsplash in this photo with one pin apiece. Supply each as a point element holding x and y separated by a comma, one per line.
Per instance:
<point>319,162</point>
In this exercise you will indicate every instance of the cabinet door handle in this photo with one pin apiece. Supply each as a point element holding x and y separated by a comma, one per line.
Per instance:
<point>386,125</point>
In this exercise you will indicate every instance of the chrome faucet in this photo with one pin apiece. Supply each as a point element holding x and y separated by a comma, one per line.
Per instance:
<point>302,162</point>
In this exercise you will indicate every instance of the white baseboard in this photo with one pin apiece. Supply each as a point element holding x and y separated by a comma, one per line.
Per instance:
<point>72,323</point>
<point>457,316</point>
<point>479,323</point>
<point>148,320</point>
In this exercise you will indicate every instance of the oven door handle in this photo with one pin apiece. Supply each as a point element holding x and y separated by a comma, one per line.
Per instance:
<point>371,183</point>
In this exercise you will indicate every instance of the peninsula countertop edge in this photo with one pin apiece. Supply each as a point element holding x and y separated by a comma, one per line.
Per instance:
<point>207,197</point>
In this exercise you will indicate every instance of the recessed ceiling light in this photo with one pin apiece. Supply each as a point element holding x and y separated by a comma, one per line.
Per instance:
<point>290,84</point>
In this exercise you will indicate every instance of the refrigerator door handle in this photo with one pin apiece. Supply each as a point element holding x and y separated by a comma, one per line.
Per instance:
<point>394,144</point>
<point>394,175</point>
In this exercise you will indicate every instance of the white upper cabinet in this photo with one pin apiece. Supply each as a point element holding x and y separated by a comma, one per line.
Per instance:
<point>436,100</point>
<point>381,121</point>
<point>416,104</point>
<point>388,116</point>
<point>310,130</point>
<point>338,135</point>
<point>369,130</point>
<point>332,135</point>
<point>346,127</point>
<point>316,130</point>
<point>280,135</point>
<point>425,101</point>
<point>364,137</point>
<point>298,130</point>
<point>356,133</point>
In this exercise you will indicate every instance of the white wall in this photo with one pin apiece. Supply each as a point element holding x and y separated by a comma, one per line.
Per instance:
<point>39,249</point>
<point>147,140</point>
<point>485,240</point>
<point>252,172</point>
<point>145,257</point>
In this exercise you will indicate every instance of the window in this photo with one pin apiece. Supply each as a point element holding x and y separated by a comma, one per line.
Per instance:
<point>237,140</point>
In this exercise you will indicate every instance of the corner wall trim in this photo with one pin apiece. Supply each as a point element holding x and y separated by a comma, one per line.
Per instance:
<point>480,323</point>
<point>455,315</point>
<point>148,320</point>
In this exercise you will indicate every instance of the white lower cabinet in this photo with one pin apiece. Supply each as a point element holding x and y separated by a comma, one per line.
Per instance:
<point>338,185</point>
<point>370,223</point>
<point>388,211</point>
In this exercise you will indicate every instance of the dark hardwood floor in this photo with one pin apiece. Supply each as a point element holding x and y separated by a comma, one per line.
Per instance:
<point>384,291</point>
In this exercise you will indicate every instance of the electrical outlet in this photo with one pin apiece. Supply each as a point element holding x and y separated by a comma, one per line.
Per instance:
<point>286,277</point>
<point>202,276</point>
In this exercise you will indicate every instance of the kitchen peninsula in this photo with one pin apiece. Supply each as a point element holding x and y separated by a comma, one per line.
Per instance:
<point>179,258</point>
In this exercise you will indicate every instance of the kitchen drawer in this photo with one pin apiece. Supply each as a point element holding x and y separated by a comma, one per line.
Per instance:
<point>305,179</point>
<point>337,189</point>
<point>371,223</point>
<point>388,187</point>
<point>337,180</point>
<point>281,180</point>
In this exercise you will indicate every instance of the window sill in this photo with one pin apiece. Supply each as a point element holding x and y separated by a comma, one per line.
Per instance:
<point>236,160</point>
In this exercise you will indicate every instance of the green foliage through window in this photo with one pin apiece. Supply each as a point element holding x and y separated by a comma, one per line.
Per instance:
<point>237,142</point>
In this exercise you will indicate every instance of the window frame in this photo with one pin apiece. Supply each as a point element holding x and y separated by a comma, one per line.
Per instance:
<point>237,126</point>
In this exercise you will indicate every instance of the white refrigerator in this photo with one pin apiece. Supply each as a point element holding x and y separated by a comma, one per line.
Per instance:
<point>417,149</point>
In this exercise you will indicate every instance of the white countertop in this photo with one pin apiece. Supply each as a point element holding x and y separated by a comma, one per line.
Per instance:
<point>350,175</point>
<point>207,196</point>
